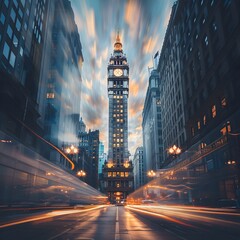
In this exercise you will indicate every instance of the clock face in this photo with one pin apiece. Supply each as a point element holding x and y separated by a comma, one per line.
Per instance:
<point>118,72</point>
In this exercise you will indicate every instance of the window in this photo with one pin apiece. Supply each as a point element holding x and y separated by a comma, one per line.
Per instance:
<point>13,15</point>
<point>204,120</point>
<point>6,50</point>
<point>50,95</point>
<point>9,32</point>
<point>6,2</point>
<point>15,41</point>
<point>20,13</point>
<point>192,131</point>
<point>12,59</point>
<point>2,18</point>
<point>214,26</point>
<point>21,51</point>
<point>206,40</point>
<point>18,25</point>
<point>23,2</point>
<point>199,125</point>
<point>15,3</point>
<point>224,102</point>
<point>214,111</point>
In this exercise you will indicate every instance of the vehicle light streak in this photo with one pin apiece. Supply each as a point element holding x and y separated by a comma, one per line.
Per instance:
<point>160,215</point>
<point>193,214</point>
<point>53,146</point>
<point>49,215</point>
<point>218,211</point>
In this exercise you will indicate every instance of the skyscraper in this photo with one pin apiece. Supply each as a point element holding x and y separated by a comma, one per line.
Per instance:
<point>118,170</point>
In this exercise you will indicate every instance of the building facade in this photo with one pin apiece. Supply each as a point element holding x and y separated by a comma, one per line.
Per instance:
<point>138,169</point>
<point>201,55</point>
<point>89,156</point>
<point>152,126</point>
<point>117,171</point>
<point>21,46</point>
<point>59,99</point>
<point>40,69</point>
<point>171,89</point>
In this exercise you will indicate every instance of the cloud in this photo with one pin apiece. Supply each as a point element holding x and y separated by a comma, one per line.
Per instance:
<point>90,23</point>
<point>132,17</point>
<point>150,45</point>
<point>142,25</point>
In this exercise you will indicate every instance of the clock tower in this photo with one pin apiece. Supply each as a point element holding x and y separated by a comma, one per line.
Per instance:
<point>118,171</point>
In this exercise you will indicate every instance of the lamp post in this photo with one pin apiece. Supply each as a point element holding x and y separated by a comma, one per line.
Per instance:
<point>151,174</point>
<point>174,150</point>
<point>81,174</point>
<point>72,150</point>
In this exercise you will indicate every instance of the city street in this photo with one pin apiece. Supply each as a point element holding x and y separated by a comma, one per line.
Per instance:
<point>129,222</point>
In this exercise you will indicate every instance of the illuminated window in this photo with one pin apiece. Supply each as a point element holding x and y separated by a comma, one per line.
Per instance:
<point>223,102</point>
<point>192,131</point>
<point>199,125</point>
<point>109,174</point>
<point>204,119</point>
<point>226,129</point>
<point>126,174</point>
<point>50,95</point>
<point>114,174</point>
<point>122,174</point>
<point>214,111</point>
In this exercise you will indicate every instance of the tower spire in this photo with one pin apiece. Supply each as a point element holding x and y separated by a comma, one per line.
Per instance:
<point>118,44</point>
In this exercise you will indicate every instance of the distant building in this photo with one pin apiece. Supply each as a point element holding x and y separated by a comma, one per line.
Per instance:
<point>89,156</point>
<point>117,171</point>
<point>152,126</point>
<point>102,157</point>
<point>138,169</point>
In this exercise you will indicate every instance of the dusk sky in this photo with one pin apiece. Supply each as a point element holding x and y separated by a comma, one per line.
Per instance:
<point>142,25</point>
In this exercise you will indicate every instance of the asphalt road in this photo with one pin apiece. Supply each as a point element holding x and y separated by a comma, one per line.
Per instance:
<point>125,223</point>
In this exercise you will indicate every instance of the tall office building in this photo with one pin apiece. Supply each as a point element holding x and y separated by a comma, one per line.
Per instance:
<point>22,26</point>
<point>89,156</point>
<point>199,65</point>
<point>152,127</point>
<point>59,98</point>
<point>118,170</point>
<point>138,168</point>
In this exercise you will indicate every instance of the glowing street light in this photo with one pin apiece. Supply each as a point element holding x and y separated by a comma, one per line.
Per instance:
<point>151,173</point>
<point>174,150</point>
<point>71,150</point>
<point>81,173</point>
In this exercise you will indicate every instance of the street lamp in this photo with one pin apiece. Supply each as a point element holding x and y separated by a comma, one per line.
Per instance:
<point>174,150</point>
<point>71,150</point>
<point>151,173</point>
<point>81,174</point>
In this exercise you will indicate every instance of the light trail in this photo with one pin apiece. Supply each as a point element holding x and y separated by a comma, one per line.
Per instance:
<point>49,215</point>
<point>161,216</point>
<point>52,145</point>
<point>192,215</point>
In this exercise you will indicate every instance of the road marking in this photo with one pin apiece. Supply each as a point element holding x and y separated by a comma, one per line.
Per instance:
<point>58,235</point>
<point>117,237</point>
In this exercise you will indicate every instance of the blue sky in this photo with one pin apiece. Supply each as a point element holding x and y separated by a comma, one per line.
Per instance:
<point>142,25</point>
